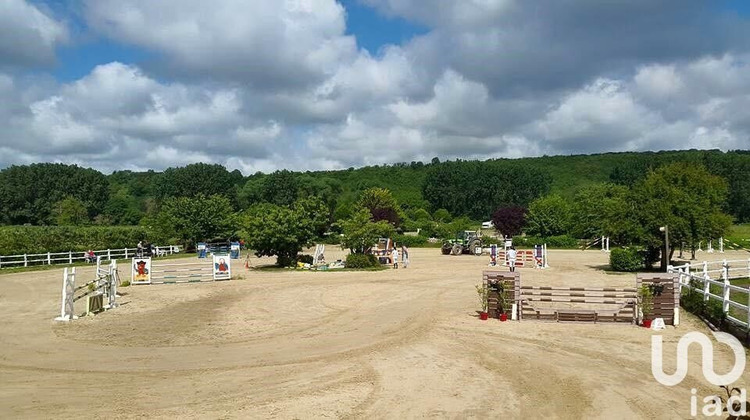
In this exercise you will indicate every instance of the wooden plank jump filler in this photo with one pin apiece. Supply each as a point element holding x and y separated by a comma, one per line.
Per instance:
<point>580,304</point>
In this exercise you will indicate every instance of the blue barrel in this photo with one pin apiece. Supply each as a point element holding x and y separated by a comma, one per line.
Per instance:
<point>234,252</point>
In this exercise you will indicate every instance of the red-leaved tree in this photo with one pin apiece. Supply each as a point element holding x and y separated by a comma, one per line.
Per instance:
<point>509,220</point>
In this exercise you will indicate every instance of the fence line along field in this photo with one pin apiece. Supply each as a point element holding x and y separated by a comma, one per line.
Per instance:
<point>299,344</point>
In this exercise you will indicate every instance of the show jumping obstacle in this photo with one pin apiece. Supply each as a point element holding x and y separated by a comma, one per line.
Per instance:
<point>146,271</point>
<point>95,291</point>
<point>581,304</point>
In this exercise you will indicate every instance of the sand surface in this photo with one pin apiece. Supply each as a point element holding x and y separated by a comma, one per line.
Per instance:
<point>403,343</point>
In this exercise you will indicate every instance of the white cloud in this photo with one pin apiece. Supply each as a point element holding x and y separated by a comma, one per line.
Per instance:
<point>260,85</point>
<point>28,37</point>
<point>270,44</point>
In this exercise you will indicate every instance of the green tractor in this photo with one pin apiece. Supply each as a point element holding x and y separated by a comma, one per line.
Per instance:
<point>466,242</point>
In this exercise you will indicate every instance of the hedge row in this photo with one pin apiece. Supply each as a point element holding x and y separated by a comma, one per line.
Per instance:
<point>16,240</point>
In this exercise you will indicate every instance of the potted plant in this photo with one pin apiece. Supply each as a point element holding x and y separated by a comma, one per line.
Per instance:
<point>483,292</point>
<point>645,305</point>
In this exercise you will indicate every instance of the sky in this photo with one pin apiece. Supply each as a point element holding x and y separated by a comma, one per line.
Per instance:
<point>261,85</point>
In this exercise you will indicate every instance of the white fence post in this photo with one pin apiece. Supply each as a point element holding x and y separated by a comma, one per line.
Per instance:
<point>706,287</point>
<point>70,257</point>
<point>725,295</point>
<point>49,259</point>
<point>25,261</point>
<point>705,269</point>
<point>126,253</point>
<point>109,255</point>
<point>721,245</point>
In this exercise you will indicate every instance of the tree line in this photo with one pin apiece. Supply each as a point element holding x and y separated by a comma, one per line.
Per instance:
<point>436,197</point>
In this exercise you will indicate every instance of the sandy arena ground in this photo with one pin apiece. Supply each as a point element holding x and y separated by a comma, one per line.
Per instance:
<point>393,344</point>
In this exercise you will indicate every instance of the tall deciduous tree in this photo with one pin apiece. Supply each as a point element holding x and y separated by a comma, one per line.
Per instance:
<point>381,205</point>
<point>198,179</point>
<point>510,220</point>
<point>70,212</point>
<point>279,231</point>
<point>196,219</point>
<point>361,231</point>
<point>548,216</point>
<point>686,198</point>
<point>602,210</point>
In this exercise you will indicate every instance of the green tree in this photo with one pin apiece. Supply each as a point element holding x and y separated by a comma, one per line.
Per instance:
<point>475,189</point>
<point>317,211</point>
<point>70,212</point>
<point>195,219</point>
<point>198,179</point>
<point>361,231</point>
<point>280,188</point>
<point>442,216</point>
<point>29,193</point>
<point>283,232</point>
<point>381,205</point>
<point>602,210</point>
<point>686,198</point>
<point>548,216</point>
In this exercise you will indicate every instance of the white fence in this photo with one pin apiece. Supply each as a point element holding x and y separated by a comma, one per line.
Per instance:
<point>70,257</point>
<point>719,274</point>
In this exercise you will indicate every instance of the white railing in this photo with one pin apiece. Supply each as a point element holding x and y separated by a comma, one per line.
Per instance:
<point>49,258</point>
<point>719,274</point>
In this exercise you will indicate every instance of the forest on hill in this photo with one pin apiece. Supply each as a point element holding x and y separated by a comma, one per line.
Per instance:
<point>49,194</point>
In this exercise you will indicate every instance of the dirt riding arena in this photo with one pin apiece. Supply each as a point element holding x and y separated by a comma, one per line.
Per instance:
<point>400,343</point>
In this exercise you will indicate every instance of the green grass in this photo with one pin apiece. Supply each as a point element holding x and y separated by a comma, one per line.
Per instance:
<point>734,296</point>
<point>45,267</point>
<point>739,234</point>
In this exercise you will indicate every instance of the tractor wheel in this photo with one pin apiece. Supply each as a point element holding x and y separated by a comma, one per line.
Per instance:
<point>446,250</point>
<point>475,247</point>
<point>456,249</point>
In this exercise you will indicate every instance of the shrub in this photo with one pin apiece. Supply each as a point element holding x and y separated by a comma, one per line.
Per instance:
<point>361,261</point>
<point>16,240</point>
<point>625,259</point>
<point>410,241</point>
<point>305,258</point>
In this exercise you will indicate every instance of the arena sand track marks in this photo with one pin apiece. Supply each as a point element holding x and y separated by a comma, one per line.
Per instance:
<point>395,343</point>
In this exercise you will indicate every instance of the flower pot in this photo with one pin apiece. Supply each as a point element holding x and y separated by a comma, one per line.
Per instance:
<point>483,316</point>
<point>646,323</point>
<point>503,317</point>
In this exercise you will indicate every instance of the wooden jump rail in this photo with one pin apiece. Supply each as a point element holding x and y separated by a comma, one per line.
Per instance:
<point>581,304</point>
<point>624,299</point>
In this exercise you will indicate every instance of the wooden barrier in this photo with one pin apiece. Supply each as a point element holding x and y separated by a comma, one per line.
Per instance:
<point>509,283</point>
<point>666,299</point>
<point>583,304</point>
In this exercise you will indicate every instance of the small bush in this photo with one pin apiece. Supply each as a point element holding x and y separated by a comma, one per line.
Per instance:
<point>625,259</point>
<point>361,261</point>
<point>410,241</point>
<point>125,283</point>
<point>305,258</point>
